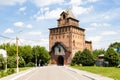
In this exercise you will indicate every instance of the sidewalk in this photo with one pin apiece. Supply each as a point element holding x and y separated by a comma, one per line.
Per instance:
<point>89,75</point>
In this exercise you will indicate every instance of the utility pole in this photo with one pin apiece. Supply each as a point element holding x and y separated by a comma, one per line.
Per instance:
<point>17,54</point>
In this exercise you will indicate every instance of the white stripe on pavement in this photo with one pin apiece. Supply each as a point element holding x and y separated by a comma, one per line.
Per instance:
<point>16,77</point>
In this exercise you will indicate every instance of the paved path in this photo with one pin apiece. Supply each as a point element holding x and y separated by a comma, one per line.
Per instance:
<point>55,73</point>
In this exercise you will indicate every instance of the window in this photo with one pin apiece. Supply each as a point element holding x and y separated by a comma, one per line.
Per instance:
<point>64,16</point>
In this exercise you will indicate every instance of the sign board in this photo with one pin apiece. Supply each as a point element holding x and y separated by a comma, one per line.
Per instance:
<point>118,49</point>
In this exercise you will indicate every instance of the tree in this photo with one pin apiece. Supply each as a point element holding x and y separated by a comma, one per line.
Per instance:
<point>96,53</point>
<point>115,45</point>
<point>26,53</point>
<point>111,56</point>
<point>41,55</point>
<point>21,62</point>
<point>76,58</point>
<point>86,58</point>
<point>2,62</point>
<point>11,61</point>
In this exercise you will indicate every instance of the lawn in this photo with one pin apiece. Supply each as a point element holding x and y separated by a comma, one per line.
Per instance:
<point>105,71</point>
<point>5,73</point>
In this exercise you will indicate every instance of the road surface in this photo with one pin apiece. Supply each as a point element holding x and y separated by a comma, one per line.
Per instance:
<point>55,73</point>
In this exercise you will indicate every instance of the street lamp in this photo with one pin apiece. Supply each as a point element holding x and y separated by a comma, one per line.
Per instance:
<point>17,54</point>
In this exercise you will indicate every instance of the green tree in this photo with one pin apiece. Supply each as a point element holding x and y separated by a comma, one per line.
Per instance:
<point>112,57</point>
<point>41,54</point>
<point>76,58</point>
<point>21,62</point>
<point>115,45</point>
<point>26,53</point>
<point>2,62</point>
<point>11,61</point>
<point>96,53</point>
<point>86,58</point>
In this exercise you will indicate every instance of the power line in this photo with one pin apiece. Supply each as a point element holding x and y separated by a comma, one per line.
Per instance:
<point>5,37</point>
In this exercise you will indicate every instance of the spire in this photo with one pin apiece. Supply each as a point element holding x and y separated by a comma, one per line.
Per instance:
<point>69,12</point>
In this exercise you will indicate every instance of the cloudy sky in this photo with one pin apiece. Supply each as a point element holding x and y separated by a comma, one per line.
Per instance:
<point>30,20</point>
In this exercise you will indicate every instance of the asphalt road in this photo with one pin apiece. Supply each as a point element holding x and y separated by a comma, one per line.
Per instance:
<point>55,73</point>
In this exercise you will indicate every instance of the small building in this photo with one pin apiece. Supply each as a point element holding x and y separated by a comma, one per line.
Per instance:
<point>66,39</point>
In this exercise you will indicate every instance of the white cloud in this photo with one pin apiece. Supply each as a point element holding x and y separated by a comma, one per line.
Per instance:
<point>8,31</point>
<point>75,2</point>
<point>21,24</point>
<point>11,2</point>
<point>29,26</point>
<point>95,38</point>
<point>43,3</point>
<point>77,10</point>
<point>35,33</point>
<point>80,2</point>
<point>107,33</point>
<point>94,26</point>
<point>22,9</point>
<point>99,24</point>
<point>92,0</point>
<point>96,41</point>
<point>46,14</point>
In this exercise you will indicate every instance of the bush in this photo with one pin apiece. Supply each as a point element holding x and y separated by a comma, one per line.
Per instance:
<point>11,62</point>
<point>30,64</point>
<point>76,59</point>
<point>10,71</point>
<point>86,58</point>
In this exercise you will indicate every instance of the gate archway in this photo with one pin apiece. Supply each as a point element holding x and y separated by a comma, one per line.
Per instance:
<point>60,61</point>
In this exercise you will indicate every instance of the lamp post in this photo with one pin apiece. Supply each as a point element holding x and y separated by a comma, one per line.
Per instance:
<point>17,54</point>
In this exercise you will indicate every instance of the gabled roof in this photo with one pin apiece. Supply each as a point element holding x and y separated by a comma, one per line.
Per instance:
<point>69,12</point>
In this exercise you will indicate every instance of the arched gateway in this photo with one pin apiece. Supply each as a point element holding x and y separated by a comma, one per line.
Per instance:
<point>60,60</point>
<point>66,39</point>
<point>59,54</point>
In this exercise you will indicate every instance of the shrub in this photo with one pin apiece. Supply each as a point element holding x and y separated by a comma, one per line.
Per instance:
<point>10,71</point>
<point>86,58</point>
<point>11,62</point>
<point>30,64</point>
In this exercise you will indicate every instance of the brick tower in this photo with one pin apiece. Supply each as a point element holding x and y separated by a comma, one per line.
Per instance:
<point>66,39</point>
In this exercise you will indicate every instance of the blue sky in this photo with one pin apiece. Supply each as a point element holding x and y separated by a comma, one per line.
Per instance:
<point>30,20</point>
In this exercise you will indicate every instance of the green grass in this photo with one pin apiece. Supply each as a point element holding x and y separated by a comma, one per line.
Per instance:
<point>4,73</point>
<point>111,72</point>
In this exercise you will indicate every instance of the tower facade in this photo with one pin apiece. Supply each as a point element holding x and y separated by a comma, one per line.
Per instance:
<point>66,39</point>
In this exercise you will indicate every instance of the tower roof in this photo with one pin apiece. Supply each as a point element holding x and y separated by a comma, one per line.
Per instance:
<point>69,12</point>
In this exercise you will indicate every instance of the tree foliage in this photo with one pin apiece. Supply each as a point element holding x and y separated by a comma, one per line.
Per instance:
<point>115,45</point>
<point>2,62</point>
<point>26,55</point>
<point>76,58</point>
<point>96,53</point>
<point>85,58</point>
<point>41,54</point>
<point>112,57</point>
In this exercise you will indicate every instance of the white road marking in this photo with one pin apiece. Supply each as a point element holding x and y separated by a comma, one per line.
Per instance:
<point>16,77</point>
<point>75,78</point>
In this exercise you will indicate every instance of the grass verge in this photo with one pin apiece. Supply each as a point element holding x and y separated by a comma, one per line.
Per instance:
<point>7,72</point>
<point>111,72</point>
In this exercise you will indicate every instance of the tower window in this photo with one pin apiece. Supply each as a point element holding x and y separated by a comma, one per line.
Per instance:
<point>64,16</point>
